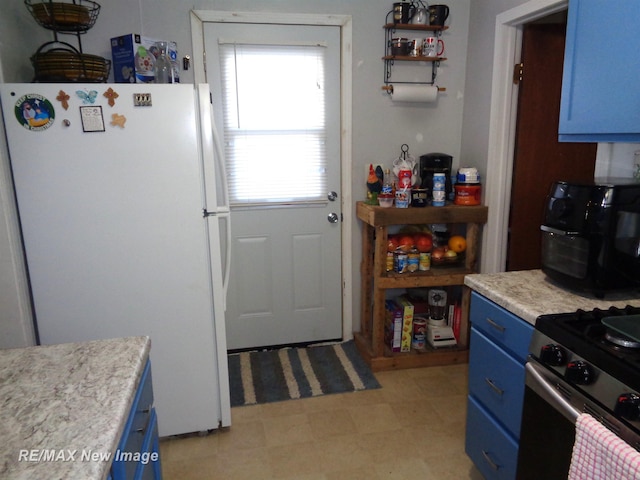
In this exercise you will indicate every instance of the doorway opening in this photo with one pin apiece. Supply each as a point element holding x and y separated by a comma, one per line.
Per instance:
<point>201,20</point>
<point>502,121</point>
<point>539,158</point>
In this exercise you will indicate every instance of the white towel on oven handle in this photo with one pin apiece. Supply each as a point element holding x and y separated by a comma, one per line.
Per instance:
<point>598,454</point>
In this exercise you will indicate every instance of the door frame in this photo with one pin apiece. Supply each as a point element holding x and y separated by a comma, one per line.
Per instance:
<point>502,121</point>
<point>199,17</point>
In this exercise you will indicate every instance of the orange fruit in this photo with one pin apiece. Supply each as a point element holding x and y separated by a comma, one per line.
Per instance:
<point>458,243</point>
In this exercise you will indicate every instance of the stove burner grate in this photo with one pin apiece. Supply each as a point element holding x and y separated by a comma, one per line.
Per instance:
<point>620,340</point>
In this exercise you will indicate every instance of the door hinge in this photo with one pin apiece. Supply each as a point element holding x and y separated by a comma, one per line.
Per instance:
<point>518,73</point>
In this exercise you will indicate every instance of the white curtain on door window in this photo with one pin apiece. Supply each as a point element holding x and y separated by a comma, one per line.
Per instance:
<point>274,122</point>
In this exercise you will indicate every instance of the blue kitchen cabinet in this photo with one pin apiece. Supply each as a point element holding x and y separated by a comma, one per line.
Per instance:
<point>600,90</point>
<point>140,443</point>
<point>498,351</point>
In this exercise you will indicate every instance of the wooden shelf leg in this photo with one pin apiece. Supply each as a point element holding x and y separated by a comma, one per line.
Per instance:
<point>366,289</point>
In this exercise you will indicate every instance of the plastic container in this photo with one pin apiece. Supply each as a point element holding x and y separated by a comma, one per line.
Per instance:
<point>468,190</point>
<point>467,194</point>
<point>468,175</point>
<point>403,198</point>
<point>438,193</point>
<point>419,197</point>
<point>385,200</point>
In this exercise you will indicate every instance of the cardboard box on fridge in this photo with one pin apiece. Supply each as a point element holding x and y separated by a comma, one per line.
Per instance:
<point>133,57</point>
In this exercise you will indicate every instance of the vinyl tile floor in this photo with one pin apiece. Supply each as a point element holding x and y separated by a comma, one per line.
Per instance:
<point>411,428</point>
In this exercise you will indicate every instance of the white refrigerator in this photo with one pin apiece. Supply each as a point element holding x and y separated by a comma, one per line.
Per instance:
<point>121,208</point>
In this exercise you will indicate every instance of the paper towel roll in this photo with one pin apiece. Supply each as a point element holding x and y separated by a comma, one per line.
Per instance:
<point>414,93</point>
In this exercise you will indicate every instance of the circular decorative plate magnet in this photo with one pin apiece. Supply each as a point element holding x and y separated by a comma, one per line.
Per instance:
<point>34,112</point>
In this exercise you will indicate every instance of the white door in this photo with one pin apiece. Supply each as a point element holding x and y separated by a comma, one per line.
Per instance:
<point>285,281</point>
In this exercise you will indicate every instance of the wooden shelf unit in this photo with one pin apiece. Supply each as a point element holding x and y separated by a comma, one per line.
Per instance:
<point>376,280</point>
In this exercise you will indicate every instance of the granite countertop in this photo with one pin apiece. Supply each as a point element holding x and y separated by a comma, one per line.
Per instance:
<point>68,401</point>
<point>530,293</point>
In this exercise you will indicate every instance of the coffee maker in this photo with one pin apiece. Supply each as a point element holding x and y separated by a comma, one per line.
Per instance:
<point>431,163</point>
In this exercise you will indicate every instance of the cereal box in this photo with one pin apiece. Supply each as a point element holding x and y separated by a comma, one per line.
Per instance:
<point>407,324</point>
<point>393,325</point>
<point>133,57</point>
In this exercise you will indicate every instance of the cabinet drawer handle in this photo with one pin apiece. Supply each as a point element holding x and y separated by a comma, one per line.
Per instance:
<point>498,327</point>
<point>491,463</point>
<point>144,429</point>
<point>499,391</point>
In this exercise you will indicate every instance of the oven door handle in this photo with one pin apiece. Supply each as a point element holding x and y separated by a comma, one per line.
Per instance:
<point>546,390</point>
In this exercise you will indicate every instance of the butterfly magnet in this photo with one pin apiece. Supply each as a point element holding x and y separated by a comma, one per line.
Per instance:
<point>87,98</point>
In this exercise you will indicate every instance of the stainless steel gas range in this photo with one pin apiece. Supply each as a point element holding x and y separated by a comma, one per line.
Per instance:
<point>584,361</point>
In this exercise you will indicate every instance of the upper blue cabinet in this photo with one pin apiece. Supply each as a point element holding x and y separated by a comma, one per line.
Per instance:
<point>601,77</point>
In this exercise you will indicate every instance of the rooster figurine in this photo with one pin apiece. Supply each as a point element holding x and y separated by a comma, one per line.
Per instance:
<point>374,184</point>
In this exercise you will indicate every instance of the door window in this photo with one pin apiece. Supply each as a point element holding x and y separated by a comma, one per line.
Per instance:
<point>274,122</point>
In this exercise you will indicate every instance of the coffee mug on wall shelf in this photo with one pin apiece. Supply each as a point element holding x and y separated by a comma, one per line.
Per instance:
<point>403,11</point>
<point>432,47</point>
<point>438,14</point>
<point>415,47</point>
<point>420,17</point>
<point>400,46</point>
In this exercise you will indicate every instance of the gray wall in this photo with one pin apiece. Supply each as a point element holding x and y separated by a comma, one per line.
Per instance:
<point>475,123</point>
<point>379,127</point>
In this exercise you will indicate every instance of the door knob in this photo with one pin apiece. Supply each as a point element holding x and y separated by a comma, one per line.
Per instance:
<point>332,196</point>
<point>333,217</point>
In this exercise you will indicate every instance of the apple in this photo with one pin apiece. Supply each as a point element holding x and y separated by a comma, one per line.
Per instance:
<point>405,242</point>
<point>424,242</point>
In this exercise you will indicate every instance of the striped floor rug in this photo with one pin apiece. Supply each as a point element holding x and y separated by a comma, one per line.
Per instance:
<point>290,373</point>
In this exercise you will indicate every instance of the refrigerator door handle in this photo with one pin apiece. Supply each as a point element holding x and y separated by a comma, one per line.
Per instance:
<point>221,210</point>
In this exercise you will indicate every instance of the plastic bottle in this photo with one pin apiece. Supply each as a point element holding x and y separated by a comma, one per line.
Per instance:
<point>387,186</point>
<point>163,70</point>
<point>438,191</point>
<point>173,58</point>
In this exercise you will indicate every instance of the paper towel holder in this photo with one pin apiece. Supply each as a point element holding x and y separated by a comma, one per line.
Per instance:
<point>389,89</point>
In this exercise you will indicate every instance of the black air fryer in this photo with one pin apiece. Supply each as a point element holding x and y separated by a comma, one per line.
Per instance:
<point>591,235</point>
<point>431,163</point>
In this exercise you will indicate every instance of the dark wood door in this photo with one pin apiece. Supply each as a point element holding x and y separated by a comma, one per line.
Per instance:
<point>539,158</point>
